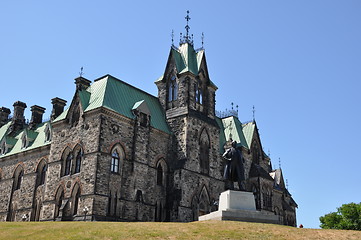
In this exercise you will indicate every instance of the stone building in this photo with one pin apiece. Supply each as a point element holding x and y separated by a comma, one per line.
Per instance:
<point>117,153</point>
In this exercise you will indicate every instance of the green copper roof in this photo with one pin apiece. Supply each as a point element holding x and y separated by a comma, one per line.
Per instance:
<point>248,130</point>
<point>116,95</point>
<point>233,129</point>
<point>36,138</point>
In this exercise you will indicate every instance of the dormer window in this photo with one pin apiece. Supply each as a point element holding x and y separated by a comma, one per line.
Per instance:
<point>24,142</point>
<point>47,134</point>
<point>143,118</point>
<point>173,89</point>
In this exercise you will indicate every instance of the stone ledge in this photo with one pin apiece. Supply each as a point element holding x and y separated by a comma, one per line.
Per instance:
<point>241,215</point>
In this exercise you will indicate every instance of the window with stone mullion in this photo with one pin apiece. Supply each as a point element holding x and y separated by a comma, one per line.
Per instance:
<point>68,164</point>
<point>114,168</point>
<point>78,161</point>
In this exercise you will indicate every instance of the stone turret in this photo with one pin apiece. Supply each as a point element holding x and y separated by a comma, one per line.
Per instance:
<point>4,115</point>
<point>58,107</point>
<point>36,115</point>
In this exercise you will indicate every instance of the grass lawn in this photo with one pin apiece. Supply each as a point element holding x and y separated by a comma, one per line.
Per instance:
<point>146,230</point>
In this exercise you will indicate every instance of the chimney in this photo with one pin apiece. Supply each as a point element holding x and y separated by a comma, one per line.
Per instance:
<point>36,115</point>
<point>4,115</point>
<point>58,107</point>
<point>18,120</point>
<point>82,83</point>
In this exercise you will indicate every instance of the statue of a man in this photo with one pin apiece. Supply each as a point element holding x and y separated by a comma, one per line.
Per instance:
<point>234,171</point>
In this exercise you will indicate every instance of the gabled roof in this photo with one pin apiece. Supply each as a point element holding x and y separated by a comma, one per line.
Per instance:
<point>116,95</point>
<point>257,171</point>
<point>187,60</point>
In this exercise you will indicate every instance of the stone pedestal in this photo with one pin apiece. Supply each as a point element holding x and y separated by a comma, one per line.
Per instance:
<point>239,206</point>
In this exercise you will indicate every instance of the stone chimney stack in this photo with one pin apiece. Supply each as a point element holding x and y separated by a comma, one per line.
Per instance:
<point>18,120</point>
<point>36,115</point>
<point>4,115</point>
<point>82,83</point>
<point>58,107</point>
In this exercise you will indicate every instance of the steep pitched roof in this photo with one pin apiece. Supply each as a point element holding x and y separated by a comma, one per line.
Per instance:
<point>187,60</point>
<point>233,128</point>
<point>248,130</point>
<point>36,137</point>
<point>116,95</point>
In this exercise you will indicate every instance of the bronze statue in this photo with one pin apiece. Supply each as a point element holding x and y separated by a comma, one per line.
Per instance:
<point>234,170</point>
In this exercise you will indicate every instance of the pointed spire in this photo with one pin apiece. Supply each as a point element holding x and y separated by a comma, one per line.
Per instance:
<point>172,37</point>
<point>203,41</point>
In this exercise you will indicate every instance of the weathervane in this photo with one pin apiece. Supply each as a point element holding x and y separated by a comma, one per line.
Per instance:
<point>186,38</point>
<point>187,27</point>
<point>279,163</point>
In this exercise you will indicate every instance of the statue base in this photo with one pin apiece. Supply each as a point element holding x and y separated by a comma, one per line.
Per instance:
<point>239,206</point>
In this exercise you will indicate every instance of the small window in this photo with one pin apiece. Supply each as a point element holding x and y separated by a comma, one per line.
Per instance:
<point>24,142</point>
<point>48,135</point>
<point>114,168</point>
<point>68,164</point>
<point>78,161</point>
<point>199,92</point>
<point>173,89</point>
<point>159,175</point>
<point>43,175</point>
<point>18,180</point>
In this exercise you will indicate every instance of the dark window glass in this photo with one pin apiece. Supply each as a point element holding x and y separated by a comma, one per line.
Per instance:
<point>114,167</point>
<point>78,161</point>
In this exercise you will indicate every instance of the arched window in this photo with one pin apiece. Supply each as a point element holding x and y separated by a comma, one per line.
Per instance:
<point>159,175</point>
<point>78,158</point>
<point>204,203</point>
<point>173,89</point>
<point>68,164</point>
<point>204,146</point>
<point>59,196</point>
<point>41,173</point>
<point>18,176</point>
<point>114,168</point>
<point>75,199</point>
<point>47,134</point>
<point>117,159</point>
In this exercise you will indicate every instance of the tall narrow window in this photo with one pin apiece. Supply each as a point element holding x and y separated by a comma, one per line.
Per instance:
<point>18,179</point>
<point>173,89</point>
<point>198,92</point>
<point>204,146</point>
<point>159,175</point>
<point>68,164</point>
<point>75,199</point>
<point>42,175</point>
<point>78,161</point>
<point>58,201</point>
<point>114,168</point>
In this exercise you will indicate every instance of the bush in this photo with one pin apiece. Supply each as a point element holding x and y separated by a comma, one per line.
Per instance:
<point>347,217</point>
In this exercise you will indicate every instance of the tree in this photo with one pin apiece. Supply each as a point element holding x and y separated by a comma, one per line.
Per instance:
<point>347,217</point>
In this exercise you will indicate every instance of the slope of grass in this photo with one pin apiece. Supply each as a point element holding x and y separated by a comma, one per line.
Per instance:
<point>141,230</point>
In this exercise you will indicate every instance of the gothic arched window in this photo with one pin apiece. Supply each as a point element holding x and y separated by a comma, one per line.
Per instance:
<point>18,176</point>
<point>68,164</point>
<point>75,199</point>
<point>173,89</point>
<point>41,173</point>
<point>58,201</point>
<point>78,159</point>
<point>118,156</point>
<point>114,168</point>
<point>204,152</point>
<point>159,175</point>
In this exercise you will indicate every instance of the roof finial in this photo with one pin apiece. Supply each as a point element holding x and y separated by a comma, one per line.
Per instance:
<point>187,26</point>
<point>253,111</point>
<point>232,105</point>
<point>202,39</point>
<point>81,73</point>
<point>287,183</point>
<point>172,37</point>
<point>279,163</point>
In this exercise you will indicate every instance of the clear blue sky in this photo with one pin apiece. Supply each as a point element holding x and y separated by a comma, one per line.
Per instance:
<point>298,62</point>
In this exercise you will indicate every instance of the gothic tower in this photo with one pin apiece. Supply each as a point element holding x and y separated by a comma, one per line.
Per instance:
<point>187,95</point>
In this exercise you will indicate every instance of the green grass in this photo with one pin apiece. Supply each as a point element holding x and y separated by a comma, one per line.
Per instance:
<point>145,230</point>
